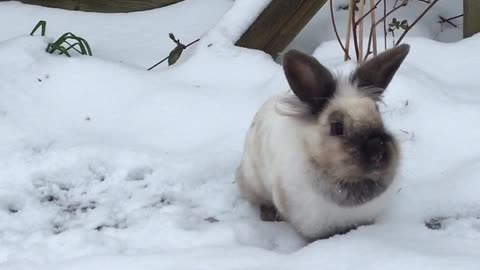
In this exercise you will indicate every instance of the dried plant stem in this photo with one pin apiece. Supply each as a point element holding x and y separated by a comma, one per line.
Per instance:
<point>395,5</point>
<point>372,9</point>
<point>355,35</point>
<point>370,39</point>
<point>351,10</point>
<point>358,36</point>
<point>385,23</point>
<point>332,16</point>
<point>449,20</point>
<point>373,19</point>
<point>415,22</point>
<point>360,31</point>
<point>166,58</point>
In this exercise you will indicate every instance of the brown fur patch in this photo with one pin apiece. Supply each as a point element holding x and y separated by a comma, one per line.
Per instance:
<point>269,213</point>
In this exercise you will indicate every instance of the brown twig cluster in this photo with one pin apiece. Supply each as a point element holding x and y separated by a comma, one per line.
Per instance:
<point>356,27</point>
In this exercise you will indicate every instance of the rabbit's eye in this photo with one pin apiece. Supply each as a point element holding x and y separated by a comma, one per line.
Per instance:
<point>336,128</point>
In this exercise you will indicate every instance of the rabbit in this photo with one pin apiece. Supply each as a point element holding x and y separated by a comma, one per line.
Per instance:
<point>321,158</point>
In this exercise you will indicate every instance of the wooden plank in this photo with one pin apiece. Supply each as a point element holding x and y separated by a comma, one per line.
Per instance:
<point>104,6</point>
<point>279,24</point>
<point>471,19</point>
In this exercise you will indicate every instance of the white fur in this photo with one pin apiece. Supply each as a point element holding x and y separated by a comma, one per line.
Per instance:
<point>275,169</point>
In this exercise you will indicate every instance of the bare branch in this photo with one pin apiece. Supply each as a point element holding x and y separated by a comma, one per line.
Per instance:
<point>349,28</point>
<point>377,23</point>
<point>332,16</point>
<point>373,20</point>
<point>360,31</point>
<point>355,37</point>
<point>395,5</point>
<point>415,22</point>
<point>368,12</point>
<point>180,47</point>
<point>385,23</point>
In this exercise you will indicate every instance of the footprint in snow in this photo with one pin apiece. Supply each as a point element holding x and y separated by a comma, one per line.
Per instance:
<point>139,174</point>
<point>464,226</point>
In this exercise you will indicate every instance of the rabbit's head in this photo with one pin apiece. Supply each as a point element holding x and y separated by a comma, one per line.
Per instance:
<point>355,157</point>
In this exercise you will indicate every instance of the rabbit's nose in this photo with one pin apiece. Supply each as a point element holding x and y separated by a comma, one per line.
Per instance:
<point>375,148</point>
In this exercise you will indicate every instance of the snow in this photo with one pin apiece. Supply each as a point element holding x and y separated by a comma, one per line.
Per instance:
<point>138,39</point>
<point>104,165</point>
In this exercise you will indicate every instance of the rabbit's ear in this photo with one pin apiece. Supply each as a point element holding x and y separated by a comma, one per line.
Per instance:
<point>311,82</point>
<point>379,71</point>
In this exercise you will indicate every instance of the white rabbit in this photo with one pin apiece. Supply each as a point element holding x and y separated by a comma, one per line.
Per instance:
<point>321,159</point>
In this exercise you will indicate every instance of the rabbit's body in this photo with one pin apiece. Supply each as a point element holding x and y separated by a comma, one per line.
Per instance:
<point>276,171</point>
<point>319,182</point>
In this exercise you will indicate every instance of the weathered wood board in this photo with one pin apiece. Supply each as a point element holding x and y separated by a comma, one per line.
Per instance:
<point>104,6</point>
<point>279,24</point>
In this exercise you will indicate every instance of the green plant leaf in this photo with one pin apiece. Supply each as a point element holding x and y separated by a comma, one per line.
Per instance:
<point>175,54</point>
<point>84,43</point>
<point>78,44</point>
<point>41,24</point>
<point>72,46</point>
<point>62,50</point>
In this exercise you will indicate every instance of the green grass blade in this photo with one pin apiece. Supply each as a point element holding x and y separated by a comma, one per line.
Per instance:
<point>60,40</point>
<point>62,50</point>
<point>77,42</point>
<point>74,42</point>
<point>41,24</point>
<point>87,46</point>
<point>72,46</point>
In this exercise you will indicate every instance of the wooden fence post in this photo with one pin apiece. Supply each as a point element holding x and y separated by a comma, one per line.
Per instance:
<point>279,24</point>
<point>104,6</point>
<point>471,18</point>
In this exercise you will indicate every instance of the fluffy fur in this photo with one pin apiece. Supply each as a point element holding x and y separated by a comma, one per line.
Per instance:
<point>295,162</point>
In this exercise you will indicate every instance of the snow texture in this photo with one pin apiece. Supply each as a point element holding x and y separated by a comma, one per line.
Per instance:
<point>104,165</point>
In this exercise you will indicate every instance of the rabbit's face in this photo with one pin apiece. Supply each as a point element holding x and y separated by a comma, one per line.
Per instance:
<point>354,155</point>
<point>352,151</point>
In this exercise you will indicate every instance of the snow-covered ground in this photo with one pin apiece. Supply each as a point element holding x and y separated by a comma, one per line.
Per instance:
<point>104,165</point>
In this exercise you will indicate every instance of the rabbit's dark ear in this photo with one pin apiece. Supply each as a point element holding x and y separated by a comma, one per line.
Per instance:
<point>379,71</point>
<point>311,82</point>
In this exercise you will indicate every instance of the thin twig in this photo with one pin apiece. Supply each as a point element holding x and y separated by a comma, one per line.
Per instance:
<point>415,22</point>
<point>349,29</point>
<point>166,58</point>
<point>332,16</point>
<point>454,17</point>
<point>373,19</point>
<point>443,20</point>
<point>385,23</point>
<point>360,32</point>
<point>355,37</point>
<point>449,20</point>
<point>191,43</point>
<point>368,12</point>
<point>377,23</point>
<point>395,5</point>
<point>163,60</point>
